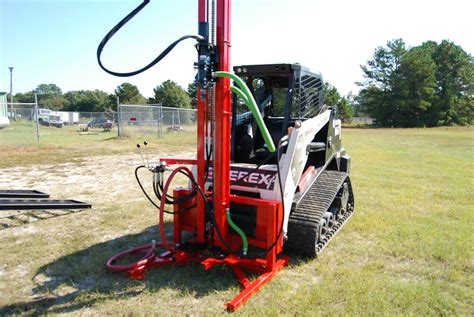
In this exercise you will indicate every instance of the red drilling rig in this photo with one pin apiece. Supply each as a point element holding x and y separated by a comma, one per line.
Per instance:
<point>270,174</point>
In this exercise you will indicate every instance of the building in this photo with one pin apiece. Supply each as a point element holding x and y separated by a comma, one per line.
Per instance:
<point>4,121</point>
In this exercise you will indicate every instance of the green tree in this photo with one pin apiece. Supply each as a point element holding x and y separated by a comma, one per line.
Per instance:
<point>170,94</point>
<point>26,97</point>
<point>331,95</point>
<point>130,94</point>
<point>426,85</point>
<point>48,90</point>
<point>345,110</point>
<point>416,88</point>
<point>455,83</point>
<point>333,98</point>
<point>380,93</point>
<point>52,102</point>
<point>192,94</point>
<point>371,101</point>
<point>382,70</point>
<point>50,96</point>
<point>88,100</point>
<point>113,101</point>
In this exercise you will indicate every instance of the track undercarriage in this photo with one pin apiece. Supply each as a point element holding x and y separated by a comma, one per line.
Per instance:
<point>322,212</point>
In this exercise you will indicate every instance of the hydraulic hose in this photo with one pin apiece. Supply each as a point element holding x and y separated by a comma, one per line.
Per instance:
<point>149,256</point>
<point>149,249</point>
<point>239,93</point>
<point>251,104</point>
<point>245,243</point>
<point>119,25</point>
<point>158,195</point>
<point>165,242</point>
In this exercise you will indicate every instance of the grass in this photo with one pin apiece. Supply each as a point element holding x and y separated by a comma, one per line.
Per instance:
<point>408,249</point>
<point>19,144</point>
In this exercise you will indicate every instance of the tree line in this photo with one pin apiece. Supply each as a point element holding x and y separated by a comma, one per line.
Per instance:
<point>50,96</point>
<point>427,85</point>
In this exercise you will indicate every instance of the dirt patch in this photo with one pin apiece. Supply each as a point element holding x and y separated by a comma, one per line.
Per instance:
<point>94,178</point>
<point>99,180</point>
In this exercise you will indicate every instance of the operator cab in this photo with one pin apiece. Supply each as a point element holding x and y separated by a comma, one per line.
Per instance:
<point>284,93</point>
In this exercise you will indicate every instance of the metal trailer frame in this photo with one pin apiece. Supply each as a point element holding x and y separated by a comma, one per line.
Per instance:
<point>33,204</point>
<point>22,193</point>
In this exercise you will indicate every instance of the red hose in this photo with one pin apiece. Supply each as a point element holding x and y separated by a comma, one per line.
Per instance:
<point>150,254</point>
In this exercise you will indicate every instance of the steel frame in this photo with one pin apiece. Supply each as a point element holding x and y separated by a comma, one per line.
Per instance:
<point>22,193</point>
<point>34,204</point>
<point>237,265</point>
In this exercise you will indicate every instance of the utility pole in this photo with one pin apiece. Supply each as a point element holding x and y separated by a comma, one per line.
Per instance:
<point>11,92</point>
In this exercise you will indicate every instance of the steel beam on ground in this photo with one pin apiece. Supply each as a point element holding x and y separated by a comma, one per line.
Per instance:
<point>33,204</point>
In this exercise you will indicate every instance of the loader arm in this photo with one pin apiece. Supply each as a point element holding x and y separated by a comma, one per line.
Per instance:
<point>293,162</point>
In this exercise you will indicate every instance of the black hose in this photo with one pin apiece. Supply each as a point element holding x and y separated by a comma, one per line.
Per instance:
<point>171,200</point>
<point>152,63</point>
<point>151,200</point>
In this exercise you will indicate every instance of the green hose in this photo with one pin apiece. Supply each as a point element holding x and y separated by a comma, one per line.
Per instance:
<point>245,243</point>
<point>240,93</point>
<point>251,104</point>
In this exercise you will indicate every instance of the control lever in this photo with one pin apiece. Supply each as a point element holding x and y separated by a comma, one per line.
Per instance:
<point>141,154</point>
<point>145,143</point>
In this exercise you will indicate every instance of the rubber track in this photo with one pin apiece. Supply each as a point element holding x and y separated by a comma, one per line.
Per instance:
<point>304,219</point>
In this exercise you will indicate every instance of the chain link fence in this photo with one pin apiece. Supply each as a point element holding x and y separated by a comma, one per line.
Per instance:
<point>22,111</point>
<point>33,124</point>
<point>87,117</point>
<point>138,121</point>
<point>23,122</point>
<point>68,118</point>
<point>28,123</point>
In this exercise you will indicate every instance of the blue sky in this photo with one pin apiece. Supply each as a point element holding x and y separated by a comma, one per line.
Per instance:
<point>55,41</point>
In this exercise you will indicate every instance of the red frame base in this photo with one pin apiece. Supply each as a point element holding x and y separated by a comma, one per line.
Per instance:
<point>249,288</point>
<point>235,263</point>
<point>267,236</point>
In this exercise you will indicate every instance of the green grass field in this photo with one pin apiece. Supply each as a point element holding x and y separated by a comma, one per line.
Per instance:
<point>408,249</point>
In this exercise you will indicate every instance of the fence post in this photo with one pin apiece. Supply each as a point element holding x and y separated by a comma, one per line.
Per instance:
<point>37,124</point>
<point>160,118</point>
<point>179,120</point>
<point>119,118</point>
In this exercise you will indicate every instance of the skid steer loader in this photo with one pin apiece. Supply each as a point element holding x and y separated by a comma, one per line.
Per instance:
<point>314,165</point>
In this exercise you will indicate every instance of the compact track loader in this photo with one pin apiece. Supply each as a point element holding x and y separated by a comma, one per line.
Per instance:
<point>314,166</point>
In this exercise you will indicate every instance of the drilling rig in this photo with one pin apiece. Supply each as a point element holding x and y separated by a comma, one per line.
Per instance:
<point>270,177</point>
